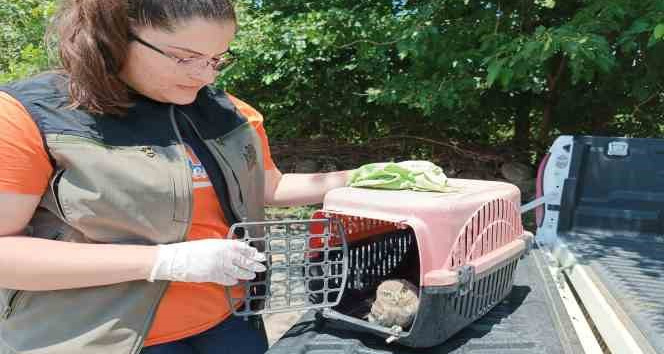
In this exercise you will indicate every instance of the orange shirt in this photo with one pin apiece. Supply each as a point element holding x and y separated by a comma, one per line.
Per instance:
<point>187,308</point>
<point>26,168</point>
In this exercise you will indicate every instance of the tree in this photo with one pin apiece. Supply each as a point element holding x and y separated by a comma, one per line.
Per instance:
<point>23,24</point>
<point>486,71</point>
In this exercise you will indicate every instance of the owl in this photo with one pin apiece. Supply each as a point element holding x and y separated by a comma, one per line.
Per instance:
<point>396,304</point>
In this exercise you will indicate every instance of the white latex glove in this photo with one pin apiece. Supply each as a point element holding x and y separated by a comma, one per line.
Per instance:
<point>210,260</point>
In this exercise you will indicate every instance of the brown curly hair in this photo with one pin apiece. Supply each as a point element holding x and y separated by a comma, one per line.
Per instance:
<point>92,39</point>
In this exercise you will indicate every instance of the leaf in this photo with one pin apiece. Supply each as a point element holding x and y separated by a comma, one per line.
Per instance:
<point>494,70</point>
<point>659,31</point>
<point>639,26</point>
<point>550,4</point>
<point>506,77</point>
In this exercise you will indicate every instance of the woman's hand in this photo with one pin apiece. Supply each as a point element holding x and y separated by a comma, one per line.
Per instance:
<point>210,260</point>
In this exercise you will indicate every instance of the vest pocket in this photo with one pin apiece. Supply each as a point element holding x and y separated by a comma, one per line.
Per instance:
<point>180,212</point>
<point>118,194</point>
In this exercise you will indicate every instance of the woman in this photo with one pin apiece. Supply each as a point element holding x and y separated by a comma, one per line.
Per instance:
<point>120,176</point>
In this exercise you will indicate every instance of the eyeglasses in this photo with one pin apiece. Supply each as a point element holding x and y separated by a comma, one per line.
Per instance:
<point>221,64</point>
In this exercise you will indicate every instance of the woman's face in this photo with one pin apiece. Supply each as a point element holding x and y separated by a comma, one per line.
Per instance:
<point>159,77</point>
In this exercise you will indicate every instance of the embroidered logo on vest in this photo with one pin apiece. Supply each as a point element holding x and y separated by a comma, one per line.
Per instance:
<point>250,156</point>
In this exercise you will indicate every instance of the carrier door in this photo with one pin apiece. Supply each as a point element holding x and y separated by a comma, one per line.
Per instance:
<point>307,266</point>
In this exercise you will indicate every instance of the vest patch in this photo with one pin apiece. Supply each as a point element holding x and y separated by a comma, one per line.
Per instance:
<point>198,174</point>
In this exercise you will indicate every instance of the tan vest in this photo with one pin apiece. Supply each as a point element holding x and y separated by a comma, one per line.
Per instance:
<point>120,180</point>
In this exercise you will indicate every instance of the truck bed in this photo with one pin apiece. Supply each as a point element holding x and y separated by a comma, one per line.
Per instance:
<point>608,232</point>
<point>630,271</point>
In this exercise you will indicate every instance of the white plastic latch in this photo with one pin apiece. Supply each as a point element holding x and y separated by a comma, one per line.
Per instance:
<point>466,276</point>
<point>618,148</point>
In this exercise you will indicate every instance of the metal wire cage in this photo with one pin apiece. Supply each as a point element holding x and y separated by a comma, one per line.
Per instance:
<point>306,261</point>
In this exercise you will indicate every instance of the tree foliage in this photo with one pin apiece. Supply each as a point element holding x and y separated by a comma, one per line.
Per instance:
<point>493,72</point>
<point>487,71</point>
<point>22,26</point>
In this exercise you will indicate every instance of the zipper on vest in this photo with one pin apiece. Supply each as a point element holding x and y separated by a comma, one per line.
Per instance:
<point>78,139</point>
<point>189,192</point>
<point>146,150</point>
<point>14,299</point>
<point>187,171</point>
<point>8,311</point>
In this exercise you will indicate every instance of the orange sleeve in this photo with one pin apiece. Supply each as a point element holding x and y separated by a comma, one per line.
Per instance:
<point>256,119</point>
<point>25,166</point>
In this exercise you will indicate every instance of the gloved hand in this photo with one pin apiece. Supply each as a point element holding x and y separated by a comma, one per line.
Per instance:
<point>210,260</point>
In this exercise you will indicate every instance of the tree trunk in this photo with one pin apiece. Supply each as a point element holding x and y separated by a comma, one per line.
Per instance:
<point>602,116</point>
<point>553,79</point>
<point>522,125</point>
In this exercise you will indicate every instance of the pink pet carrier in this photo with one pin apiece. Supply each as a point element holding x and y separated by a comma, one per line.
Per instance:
<point>460,248</point>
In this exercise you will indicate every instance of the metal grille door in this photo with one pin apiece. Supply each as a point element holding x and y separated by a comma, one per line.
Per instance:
<point>306,260</point>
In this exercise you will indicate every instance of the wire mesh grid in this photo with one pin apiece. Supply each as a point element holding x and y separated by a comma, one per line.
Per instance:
<point>371,261</point>
<point>376,259</point>
<point>306,263</point>
<point>486,292</point>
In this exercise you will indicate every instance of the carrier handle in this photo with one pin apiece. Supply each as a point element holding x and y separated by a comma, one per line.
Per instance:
<point>447,280</point>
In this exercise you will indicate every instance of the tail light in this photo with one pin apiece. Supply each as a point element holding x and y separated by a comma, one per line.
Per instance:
<point>539,189</point>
